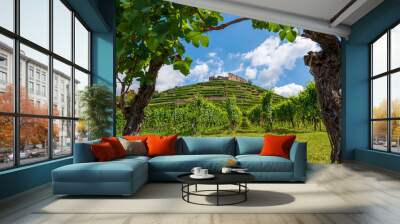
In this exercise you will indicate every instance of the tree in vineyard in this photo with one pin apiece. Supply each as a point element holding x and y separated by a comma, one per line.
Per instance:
<point>233,112</point>
<point>308,106</point>
<point>285,112</point>
<point>266,110</point>
<point>150,34</point>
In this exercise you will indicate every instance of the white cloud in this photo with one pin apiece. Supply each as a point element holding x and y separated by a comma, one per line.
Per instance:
<point>212,54</point>
<point>288,90</point>
<point>250,73</point>
<point>199,69</point>
<point>275,56</point>
<point>239,69</point>
<point>168,78</point>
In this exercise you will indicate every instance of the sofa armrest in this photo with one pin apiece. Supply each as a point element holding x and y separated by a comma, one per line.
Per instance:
<point>298,155</point>
<point>83,152</point>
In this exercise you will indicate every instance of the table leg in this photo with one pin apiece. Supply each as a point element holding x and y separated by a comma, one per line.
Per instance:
<point>217,194</point>
<point>245,193</point>
<point>195,188</point>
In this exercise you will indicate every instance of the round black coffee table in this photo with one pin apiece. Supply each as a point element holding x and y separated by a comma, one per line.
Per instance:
<point>238,179</point>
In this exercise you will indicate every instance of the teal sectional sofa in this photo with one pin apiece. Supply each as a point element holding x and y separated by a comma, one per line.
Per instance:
<point>125,176</point>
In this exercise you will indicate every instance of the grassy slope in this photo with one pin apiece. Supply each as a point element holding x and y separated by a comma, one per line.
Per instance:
<point>215,91</point>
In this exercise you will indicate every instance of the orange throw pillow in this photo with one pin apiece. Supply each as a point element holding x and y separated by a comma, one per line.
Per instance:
<point>276,145</point>
<point>103,152</point>
<point>161,145</point>
<point>116,145</point>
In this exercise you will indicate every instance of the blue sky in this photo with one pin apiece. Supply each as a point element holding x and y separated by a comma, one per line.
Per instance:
<point>256,55</point>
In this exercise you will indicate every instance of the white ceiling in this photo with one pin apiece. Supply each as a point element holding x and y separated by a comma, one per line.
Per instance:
<point>325,16</point>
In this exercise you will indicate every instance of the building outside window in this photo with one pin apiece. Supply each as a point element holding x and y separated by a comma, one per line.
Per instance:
<point>35,54</point>
<point>385,91</point>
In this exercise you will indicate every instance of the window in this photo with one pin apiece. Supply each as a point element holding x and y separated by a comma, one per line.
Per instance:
<point>7,14</point>
<point>3,78</point>
<point>49,80</point>
<point>38,89</point>
<point>30,88</point>
<point>62,29</point>
<point>44,91</point>
<point>385,94</point>
<point>6,74</point>
<point>35,21</point>
<point>81,45</point>
<point>30,72</point>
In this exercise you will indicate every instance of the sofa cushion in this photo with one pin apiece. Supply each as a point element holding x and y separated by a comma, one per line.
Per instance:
<point>206,145</point>
<point>83,152</point>
<point>185,163</point>
<point>249,145</point>
<point>134,147</point>
<point>112,171</point>
<point>277,145</point>
<point>116,145</point>
<point>161,145</point>
<point>103,152</point>
<point>257,163</point>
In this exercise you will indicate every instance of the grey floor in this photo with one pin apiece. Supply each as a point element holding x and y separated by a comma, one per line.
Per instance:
<point>377,188</point>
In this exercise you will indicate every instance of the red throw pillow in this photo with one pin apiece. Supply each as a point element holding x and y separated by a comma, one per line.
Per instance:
<point>275,145</point>
<point>103,152</point>
<point>161,145</point>
<point>116,145</point>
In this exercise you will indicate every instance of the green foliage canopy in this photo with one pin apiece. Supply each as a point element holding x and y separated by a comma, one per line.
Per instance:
<point>150,30</point>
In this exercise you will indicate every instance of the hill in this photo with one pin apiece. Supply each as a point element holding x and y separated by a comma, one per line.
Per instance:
<point>215,91</point>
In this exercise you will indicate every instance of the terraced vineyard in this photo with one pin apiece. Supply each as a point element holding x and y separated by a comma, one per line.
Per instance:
<point>215,91</point>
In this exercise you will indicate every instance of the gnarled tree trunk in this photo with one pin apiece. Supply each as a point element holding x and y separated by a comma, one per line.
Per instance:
<point>134,114</point>
<point>325,67</point>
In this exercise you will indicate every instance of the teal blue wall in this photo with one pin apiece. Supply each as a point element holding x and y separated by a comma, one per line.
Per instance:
<point>24,178</point>
<point>99,15</point>
<point>356,124</point>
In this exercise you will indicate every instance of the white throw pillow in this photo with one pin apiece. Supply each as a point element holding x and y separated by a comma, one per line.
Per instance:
<point>136,148</point>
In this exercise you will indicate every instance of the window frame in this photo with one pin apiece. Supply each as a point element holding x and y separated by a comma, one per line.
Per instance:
<point>16,114</point>
<point>388,74</point>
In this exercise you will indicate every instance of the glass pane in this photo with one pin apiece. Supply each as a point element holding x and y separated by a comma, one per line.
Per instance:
<point>6,75</point>
<point>379,97</point>
<point>62,29</point>
<point>62,89</point>
<point>35,21</point>
<point>33,140</point>
<point>81,131</point>
<point>6,142</point>
<point>379,56</point>
<point>7,14</point>
<point>34,97</point>
<point>395,94</point>
<point>62,138</point>
<point>395,47</point>
<point>81,82</point>
<point>81,45</point>
<point>379,135</point>
<point>395,138</point>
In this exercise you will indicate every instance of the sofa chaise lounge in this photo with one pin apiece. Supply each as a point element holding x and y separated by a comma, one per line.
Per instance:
<point>125,176</point>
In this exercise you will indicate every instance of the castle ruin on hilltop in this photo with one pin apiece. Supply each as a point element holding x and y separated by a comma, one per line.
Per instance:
<point>230,76</point>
